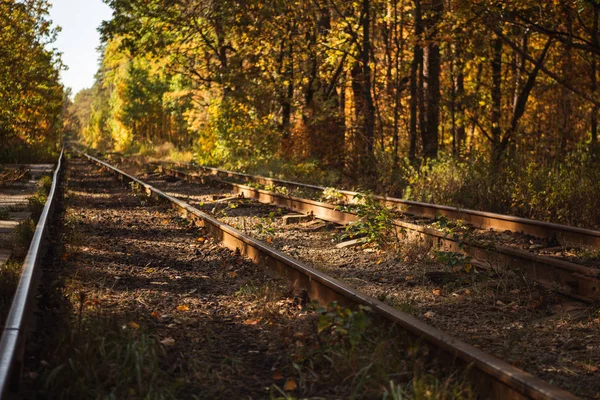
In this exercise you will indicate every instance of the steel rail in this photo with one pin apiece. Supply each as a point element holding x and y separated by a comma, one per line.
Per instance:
<point>15,328</point>
<point>566,277</point>
<point>491,377</point>
<point>564,233</point>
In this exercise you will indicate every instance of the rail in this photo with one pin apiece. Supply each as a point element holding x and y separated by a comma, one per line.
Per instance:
<point>568,278</point>
<point>15,329</point>
<point>481,219</point>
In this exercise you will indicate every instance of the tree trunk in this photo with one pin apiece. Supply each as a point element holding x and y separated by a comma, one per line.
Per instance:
<point>496,94</point>
<point>414,83</point>
<point>369,112</point>
<point>431,79</point>
<point>594,85</point>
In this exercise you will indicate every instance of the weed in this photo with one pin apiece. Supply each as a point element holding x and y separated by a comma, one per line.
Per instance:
<point>454,261</point>
<point>337,323</point>
<point>88,357</point>
<point>9,276</point>
<point>333,196</point>
<point>354,357</point>
<point>36,205</point>
<point>22,236</point>
<point>37,202</point>
<point>375,221</point>
<point>45,184</point>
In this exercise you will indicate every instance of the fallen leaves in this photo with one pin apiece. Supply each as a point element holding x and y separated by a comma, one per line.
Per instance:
<point>252,321</point>
<point>133,325</point>
<point>232,274</point>
<point>169,342</point>
<point>290,385</point>
<point>183,307</point>
<point>277,376</point>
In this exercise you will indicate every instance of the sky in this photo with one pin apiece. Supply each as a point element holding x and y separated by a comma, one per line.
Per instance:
<point>79,39</point>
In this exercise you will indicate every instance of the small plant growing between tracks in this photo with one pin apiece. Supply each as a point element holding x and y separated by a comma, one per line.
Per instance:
<point>333,196</point>
<point>375,221</point>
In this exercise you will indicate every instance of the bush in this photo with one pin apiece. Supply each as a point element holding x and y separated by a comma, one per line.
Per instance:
<point>564,191</point>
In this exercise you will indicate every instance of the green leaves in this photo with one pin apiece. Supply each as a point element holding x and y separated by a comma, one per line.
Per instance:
<point>340,324</point>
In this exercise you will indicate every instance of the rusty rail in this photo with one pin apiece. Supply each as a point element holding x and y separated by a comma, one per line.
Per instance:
<point>567,278</point>
<point>563,233</point>
<point>16,324</point>
<point>491,377</point>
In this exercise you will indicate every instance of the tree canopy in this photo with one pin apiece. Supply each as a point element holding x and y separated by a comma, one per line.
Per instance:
<point>31,96</point>
<point>356,86</point>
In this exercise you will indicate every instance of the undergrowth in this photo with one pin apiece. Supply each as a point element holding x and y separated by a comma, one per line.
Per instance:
<point>565,191</point>
<point>9,276</point>
<point>343,353</point>
<point>102,358</point>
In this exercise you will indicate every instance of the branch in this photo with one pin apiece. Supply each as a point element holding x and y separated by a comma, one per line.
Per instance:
<point>551,74</point>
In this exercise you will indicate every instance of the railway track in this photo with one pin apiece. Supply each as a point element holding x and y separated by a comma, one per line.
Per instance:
<point>491,377</point>
<point>18,323</point>
<point>573,279</point>
<point>481,219</point>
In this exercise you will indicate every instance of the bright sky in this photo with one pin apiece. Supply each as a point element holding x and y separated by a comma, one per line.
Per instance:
<point>79,39</point>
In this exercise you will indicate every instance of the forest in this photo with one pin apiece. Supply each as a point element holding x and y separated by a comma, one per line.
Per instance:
<point>294,199</point>
<point>31,95</point>
<point>489,105</point>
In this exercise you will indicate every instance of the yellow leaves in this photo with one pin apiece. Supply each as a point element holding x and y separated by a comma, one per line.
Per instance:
<point>269,239</point>
<point>183,307</point>
<point>468,268</point>
<point>290,385</point>
<point>165,222</point>
<point>201,240</point>
<point>155,314</point>
<point>252,321</point>
<point>133,325</point>
<point>590,368</point>
<point>169,342</point>
<point>437,292</point>
<point>232,274</point>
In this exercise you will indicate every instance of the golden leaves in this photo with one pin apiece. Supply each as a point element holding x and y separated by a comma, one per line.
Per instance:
<point>290,385</point>
<point>133,325</point>
<point>183,307</point>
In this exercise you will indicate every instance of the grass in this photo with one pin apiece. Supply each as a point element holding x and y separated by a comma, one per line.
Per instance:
<point>9,276</point>
<point>105,359</point>
<point>22,236</point>
<point>343,353</point>
<point>37,202</point>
